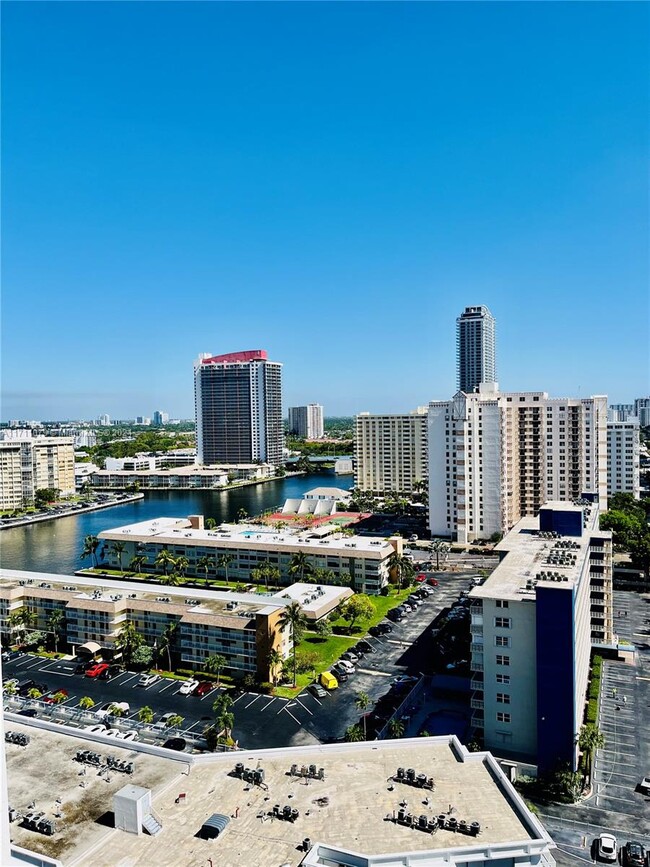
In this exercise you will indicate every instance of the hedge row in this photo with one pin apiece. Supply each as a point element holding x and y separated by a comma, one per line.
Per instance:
<point>593,693</point>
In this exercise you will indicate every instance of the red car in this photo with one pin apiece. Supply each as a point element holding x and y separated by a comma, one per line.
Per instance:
<point>97,669</point>
<point>203,688</point>
<point>49,699</point>
<point>433,582</point>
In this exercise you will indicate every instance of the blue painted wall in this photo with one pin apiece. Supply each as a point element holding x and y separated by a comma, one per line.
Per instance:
<point>567,523</point>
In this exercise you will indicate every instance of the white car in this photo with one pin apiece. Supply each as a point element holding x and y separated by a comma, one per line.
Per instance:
<point>606,847</point>
<point>112,733</point>
<point>644,785</point>
<point>95,729</point>
<point>105,709</point>
<point>404,679</point>
<point>148,679</point>
<point>188,687</point>
<point>131,735</point>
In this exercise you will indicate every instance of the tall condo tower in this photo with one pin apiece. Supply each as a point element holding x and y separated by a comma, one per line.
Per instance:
<point>475,348</point>
<point>238,408</point>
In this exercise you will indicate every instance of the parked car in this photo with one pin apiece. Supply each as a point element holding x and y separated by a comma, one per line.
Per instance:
<point>177,744</point>
<point>97,669</point>
<point>28,711</point>
<point>28,685</point>
<point>350,656</point>
<point>188,687</point>
<point>432,581</point>
<point>112,733</point>
<point>316,690</point>
<point>105,709</point>
<point>606,847</point>
<point>204,688</point>
<point>634,854</point>
<point>340,673</point>
<point>83,666</point>
<point>148,679</point>
<point>366,647</point>
<point>96,728</point>
<point>405,679</point>
<point>396,614</point>
<point>644,785</point>
<point>111,672</point>
<point>346,665</point>
<point>49,699</point>
<point>130,735</point>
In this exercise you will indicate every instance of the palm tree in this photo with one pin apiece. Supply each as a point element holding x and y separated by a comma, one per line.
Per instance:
<point>294,618</point>
<point>223,561</point>
<point>362,702</point>
<point>55,624</point>
<point>128,640</point>
<point>91,544</point>
<point>242,514</point>
<point>589,740</point>
<point>204,563</point>
<point>86,702</point>
<point>210,523</point>
<point>118,548</point>
<point>10,688</point>
<point>275,659</point>
<point>59,696</point>
<point>19,621</point>
<point>145,715</point>
<point>166,639</point>
<point>401,567</point>
<point>174,722</point>
<point>181,565</point>
<point>164,560</point>
<point>137,563</point>
<point>214,664</point>
<point>300,565</point>
<point>115,710</point>
<point>171,580</point>
<point>225,718</point>
<point>396,728</point>
<point>34,693</point>
<point>440,547</point>
<point>354,734</point>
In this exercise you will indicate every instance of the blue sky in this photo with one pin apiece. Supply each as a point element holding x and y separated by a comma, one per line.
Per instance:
<point>331,182</point>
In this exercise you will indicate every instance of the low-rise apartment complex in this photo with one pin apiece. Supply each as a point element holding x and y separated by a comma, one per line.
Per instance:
<point>359,562</point>
<point>390,451</point>
<point>180,478</point>
<point>623,459</point>
<point>533,624</point>
<point>29,463</point>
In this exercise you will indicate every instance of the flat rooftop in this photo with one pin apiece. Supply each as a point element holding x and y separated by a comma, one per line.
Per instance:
<point>177,531</point>
<point>347,809</point>
<point>528,554</point>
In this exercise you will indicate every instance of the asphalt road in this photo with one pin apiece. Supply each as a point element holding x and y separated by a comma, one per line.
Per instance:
<point>263,721</point>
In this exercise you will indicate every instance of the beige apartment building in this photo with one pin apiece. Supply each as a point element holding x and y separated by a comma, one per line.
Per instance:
<point>623,458</point>
<point>390,451</point>
<point>239,626</point>
<point>29,463</point>
<point>495,457</point>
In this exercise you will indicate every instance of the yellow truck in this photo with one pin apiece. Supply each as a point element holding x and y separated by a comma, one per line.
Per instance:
<point>328,680</point>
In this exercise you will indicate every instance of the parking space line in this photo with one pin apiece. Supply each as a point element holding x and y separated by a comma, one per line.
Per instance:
<point>166,686</point>
<point>254,700</point>
<point>189,728</point>
<point>268,705</point>
<point>129,679</point>
<point>305,706</point>
<point>291,715</point>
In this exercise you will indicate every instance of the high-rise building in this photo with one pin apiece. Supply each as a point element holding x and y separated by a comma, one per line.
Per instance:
<point>306,421</point>
<point>104,420</point>
<point>159,418</point>
<point>390,451</point>
<point>475,348</point>
<point>642,410</point>
<point>238,406</point>
<point>533,624</point>
<point>496,457</point>
<point>29,463</point>
<point>623,458</point>
<point>144,420</point>
<point>620,411</point>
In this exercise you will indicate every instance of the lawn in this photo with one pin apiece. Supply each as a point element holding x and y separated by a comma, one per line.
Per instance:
<point>328,650</point>
<point>188,581</point>
<point>381,604</point>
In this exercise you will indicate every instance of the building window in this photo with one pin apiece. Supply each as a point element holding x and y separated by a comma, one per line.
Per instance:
<point>503,660</point>
<point>502,603</point>
<point>503,717</point>
<point>503,678</point>
<point>503,698</point>
<point>502,641</point>
<point>502,623</point>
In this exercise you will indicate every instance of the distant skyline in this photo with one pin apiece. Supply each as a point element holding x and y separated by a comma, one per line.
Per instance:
<point>333,183</point>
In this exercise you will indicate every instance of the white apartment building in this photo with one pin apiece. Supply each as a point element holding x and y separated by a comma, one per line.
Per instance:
<point>390,451</point>
<point>495,457</point>
<point>642,410</point>
<point>620,411</point>
<point>307,421</point>
<point>623,459</point>
<point>533,624</point>
<point>29,463</point>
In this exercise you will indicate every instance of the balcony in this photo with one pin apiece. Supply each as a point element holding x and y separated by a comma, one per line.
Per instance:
<point>477,647</point>
<point>476,704</point>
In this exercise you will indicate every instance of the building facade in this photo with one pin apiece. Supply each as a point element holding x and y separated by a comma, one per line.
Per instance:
<point>159,418</point>
<point>306,421</point>
<point>475,348</point>
<point>533,624</point>
<point>642,410</point>
<point>238,406</point>
<point>29,463</point>
<point>620,411</point>
<point>390,451</point>
<point>623,459</point>
<point>359,562</point>
<point>495,457</point>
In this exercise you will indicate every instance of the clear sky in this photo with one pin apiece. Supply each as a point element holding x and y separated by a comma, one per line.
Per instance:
<point>331,182</point>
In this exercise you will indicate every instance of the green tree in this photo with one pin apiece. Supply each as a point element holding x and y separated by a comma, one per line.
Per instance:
<point>56,625</point>
<point>165,641</point>
<point>86,702</point>
<point>10,688</point>
<point>323,629</point>
<point>354,733</point>
<point>164,560</point>
<point>182,564</point>
<point>362,702</point>
<point>276,661</point>
<point>128,640</point>
<point>174,722</point>
<point>300,566</point>
<point>439,547</point>
<point>34,693</point>
<point>396,728</point>
<point>45,496</point>
<point>357,607</point>
<point>173,579</point>
<point>293,618</point>
<point>204,563</point>
<point>142,656</point>
<point>59,696</point>
<point>137,563</point>
<point>214,664</point>
<point>116,710</point>
<point>589,740</point>
<point>271,576</point>
<point>223,561</point>
<point>400,568</point>
<point>118,548</point>
<point>145,715</point>
<point>91,544</point>
<point>242,514</point>
<point>567,783</point>
<point>224,716</point>
<point>210,524</point>
<point>20,621</point>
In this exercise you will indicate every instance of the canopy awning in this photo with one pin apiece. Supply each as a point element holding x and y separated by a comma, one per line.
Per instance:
<point>214,826</point>
<point>90,647</point>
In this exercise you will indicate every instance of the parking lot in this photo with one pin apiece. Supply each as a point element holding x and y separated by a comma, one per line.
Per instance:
<point>260,721</point>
